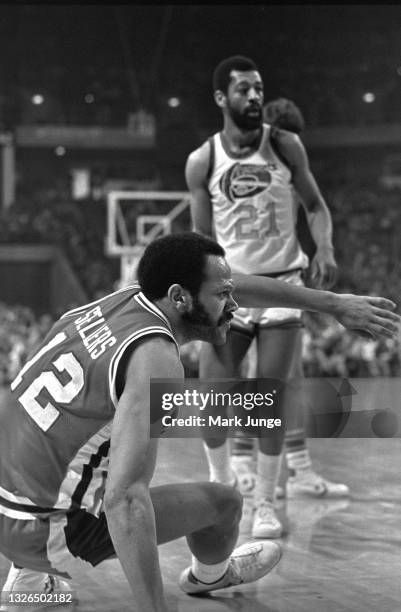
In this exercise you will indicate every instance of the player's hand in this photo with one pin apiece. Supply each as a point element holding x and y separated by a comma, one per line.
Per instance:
<point>323,270</point>
<point>367,315</point>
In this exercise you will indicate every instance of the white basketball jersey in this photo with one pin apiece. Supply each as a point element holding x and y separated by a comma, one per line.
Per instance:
<point>254,212</point>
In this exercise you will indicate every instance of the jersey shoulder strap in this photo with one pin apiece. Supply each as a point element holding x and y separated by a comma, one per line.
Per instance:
<point>274,141</point>
<point>212,157</point>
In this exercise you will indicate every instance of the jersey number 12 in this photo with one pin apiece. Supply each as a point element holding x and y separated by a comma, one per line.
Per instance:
<point>63,393</point>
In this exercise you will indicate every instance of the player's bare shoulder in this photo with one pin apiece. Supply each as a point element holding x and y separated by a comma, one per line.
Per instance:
<point>288,144</point>
<point>153,355</point>
<point>197,165</point>
<point>284,138</point>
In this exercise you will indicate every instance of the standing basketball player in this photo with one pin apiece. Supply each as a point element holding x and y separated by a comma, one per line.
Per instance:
<point>76,450</point>
<point>241,181</point>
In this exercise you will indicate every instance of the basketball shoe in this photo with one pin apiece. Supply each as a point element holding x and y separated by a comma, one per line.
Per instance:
<point>265,521</point>
<point>310,484</point>
<point>34,590</point>
<point>307,484</point>
<point>248,563</point>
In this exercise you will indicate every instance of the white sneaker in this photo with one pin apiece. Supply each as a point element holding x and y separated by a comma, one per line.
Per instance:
<point>33,591</point>
<point>248,563</point>
<point>311,484</point>
<point>265,521</point>
<point>246,476</point>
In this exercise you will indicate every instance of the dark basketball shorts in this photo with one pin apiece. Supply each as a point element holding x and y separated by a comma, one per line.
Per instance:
<point>59,543</point>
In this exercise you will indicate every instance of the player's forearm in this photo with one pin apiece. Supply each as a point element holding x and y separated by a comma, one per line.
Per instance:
<point>131,524</point>
<point>262,292</point>
<point>321,227</point>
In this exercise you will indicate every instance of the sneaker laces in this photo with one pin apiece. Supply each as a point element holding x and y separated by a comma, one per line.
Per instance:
<point>311,477</point>
<point>264,508</point>
<point>51,584</point>
<point>243,562</point>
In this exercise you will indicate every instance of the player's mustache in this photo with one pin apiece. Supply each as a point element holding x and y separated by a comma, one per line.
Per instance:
<point>225,318</point>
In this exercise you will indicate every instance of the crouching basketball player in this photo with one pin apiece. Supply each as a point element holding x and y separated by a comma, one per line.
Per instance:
<point>77,456</point>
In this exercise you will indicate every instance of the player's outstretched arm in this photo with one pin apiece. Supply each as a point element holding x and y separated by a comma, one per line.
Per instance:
<point>128,506</point>
<point>362,314</point>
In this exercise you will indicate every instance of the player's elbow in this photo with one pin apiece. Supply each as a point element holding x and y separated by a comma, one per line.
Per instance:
<point>119,496</point>
<point>128,512</point>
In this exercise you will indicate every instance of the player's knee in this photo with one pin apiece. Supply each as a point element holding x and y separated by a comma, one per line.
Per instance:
<point>228,505</point>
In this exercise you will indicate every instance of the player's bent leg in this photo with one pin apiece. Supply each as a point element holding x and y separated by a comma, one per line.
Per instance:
<point>247,563</point>
<point>210,509</point>
<point>208,514</point>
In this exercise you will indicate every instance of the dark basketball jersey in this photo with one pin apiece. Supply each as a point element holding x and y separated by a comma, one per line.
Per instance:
<point>55,430</point>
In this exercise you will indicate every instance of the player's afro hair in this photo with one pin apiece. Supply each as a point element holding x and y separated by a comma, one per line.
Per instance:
<point>285,114</point>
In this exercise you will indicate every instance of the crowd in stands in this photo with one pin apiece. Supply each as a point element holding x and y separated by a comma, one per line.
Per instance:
<point>77,227</point>
<point>20,332</point>
<point>366,239</point>
<point>329,350</point>
<point>368,252</point>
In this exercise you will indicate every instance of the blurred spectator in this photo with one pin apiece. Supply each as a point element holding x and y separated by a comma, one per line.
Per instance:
<point>77,228</point>
<point>330,350</point>
<point>20,333</point>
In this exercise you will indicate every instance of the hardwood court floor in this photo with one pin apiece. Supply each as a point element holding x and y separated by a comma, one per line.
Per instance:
<point>338,556</point>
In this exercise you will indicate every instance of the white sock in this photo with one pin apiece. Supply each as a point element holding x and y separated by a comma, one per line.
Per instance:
<point>219,463</point>
<point>267,474</point>
<point>208,573</point>
<point>299,462</point>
